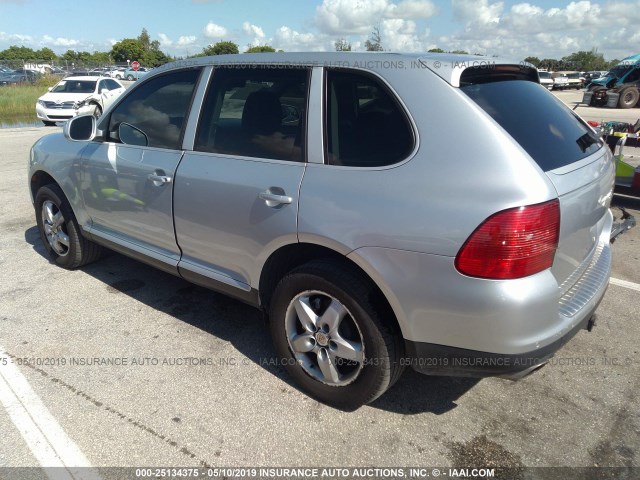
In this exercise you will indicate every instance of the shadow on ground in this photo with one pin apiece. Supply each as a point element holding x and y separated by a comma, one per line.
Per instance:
<point>243,326</point>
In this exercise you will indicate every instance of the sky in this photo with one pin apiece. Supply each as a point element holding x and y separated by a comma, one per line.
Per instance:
<point>541,28</point>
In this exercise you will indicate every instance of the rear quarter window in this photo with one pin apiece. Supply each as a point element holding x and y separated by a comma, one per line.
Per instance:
<point>549,132</point>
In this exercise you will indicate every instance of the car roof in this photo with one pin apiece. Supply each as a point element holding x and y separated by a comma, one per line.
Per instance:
<point>446,65</point>
<point>84,78</point>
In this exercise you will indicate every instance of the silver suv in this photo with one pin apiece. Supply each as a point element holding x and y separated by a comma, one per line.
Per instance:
<point>441,212</point>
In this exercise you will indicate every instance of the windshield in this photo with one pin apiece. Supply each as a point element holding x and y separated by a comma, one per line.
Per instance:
<point>620,71</point>
<point>574,75</point>
<point>75,86</point>
<point>544,74</point>
<point>549,132</point>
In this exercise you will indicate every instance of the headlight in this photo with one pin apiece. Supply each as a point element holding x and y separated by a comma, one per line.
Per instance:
<point>41,103</point>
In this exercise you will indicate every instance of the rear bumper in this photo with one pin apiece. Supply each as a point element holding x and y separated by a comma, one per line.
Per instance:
<point>432,359</point>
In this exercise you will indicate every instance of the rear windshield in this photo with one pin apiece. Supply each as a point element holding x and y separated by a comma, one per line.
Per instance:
<point>549,132</point>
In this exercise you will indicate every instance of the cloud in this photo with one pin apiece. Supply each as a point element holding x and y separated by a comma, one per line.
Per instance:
<point>59,41</point>
<point>214,31</point>
<point>412,9</point>
<point>15,37</point>
<point>290,40</point>
<point>185,41</point>
<point>254,31</point>
<point>165,41</point>
<point>340,17</point>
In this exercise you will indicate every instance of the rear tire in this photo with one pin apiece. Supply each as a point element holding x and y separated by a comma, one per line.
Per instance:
<point>629,98</point>
<point>60,232</point>
<point>331,338</point>
<point>49,124</point>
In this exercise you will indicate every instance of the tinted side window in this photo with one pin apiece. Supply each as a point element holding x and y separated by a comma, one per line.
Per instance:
<point>257,112</point>
<point>365,126</point>
<point>158,108</point>
<point>112,84</point>
<point>550,133</point>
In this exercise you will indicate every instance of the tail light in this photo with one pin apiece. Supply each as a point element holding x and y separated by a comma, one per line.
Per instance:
<point>514,243</point>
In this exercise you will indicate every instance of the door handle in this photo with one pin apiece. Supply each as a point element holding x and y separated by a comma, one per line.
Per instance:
<point>275,199</point>
<point>159,180</point>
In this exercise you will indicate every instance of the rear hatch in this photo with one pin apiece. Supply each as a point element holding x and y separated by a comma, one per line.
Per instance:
<point>572,156</point>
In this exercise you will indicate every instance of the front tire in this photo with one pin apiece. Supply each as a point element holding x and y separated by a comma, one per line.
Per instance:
<point>97,111</point>
<point>48,124</point>
<point>60,232</point>
<point>330,336</point>
<point>130,78</point>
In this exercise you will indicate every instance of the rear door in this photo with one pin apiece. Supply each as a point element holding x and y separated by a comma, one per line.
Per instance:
<point>236,194</point>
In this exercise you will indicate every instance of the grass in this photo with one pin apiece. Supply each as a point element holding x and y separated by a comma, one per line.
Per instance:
<point>18,102</point>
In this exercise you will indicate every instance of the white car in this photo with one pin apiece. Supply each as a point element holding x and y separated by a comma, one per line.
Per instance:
<point>76,95</point>
<point>546,80</point>
<point>117,73</point>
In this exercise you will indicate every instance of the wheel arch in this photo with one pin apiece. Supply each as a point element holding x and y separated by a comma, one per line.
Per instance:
<point>291,256</point>
<point>39,179</point>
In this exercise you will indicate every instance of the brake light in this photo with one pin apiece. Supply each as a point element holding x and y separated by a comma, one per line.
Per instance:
<point>514,243</point>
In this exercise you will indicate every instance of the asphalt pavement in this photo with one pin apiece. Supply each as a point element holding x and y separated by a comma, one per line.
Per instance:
<point>125,365</point>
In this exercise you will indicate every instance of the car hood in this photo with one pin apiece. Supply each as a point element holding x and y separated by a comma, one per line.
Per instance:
<point>64,97</point>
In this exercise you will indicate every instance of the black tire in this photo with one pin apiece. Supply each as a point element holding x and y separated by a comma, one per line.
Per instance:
<point>130,77</point>
<point>79,250</point>
<point>49,124</point>
<point>97,112</point>
<point>629,98</point>
<point>382,349</point>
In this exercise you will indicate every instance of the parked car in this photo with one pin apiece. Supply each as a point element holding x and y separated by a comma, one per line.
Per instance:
<point>575,80</point>
<point>327,196</point>
<point>31,75</point>
<point>560,80</point>
<point>63,100</point>
<point>132,75</point>
<point>117,72</point>
<point>546,80</point>
<point>14,79</point>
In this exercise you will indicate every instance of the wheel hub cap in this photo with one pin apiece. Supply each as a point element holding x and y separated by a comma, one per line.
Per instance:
<point>324,338</point>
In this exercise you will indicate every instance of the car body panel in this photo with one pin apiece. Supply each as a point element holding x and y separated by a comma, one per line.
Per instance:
<point>121,200</point>
<point>402,224</point>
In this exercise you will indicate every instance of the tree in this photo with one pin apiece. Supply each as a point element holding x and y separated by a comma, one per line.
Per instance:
<point>535,61</point>
<point>461,52</point>
<point>18,53</point>
<point>46,54</point>
<point>127,49</point>
<point>221,48</point>
<point>548,64</point>
<point>436,50</point>
<point>585,61</point>
<point>342,45</point>
<point>260,49</point>
<point>374,42</point>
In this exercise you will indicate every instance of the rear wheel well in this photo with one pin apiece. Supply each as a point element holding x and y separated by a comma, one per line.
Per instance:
<point>288,258</point>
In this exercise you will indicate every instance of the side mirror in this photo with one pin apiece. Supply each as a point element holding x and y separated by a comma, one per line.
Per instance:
<point>49,89</point>
<point>104,90</point>
<point>81,128</point>
<point>130,135</point>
